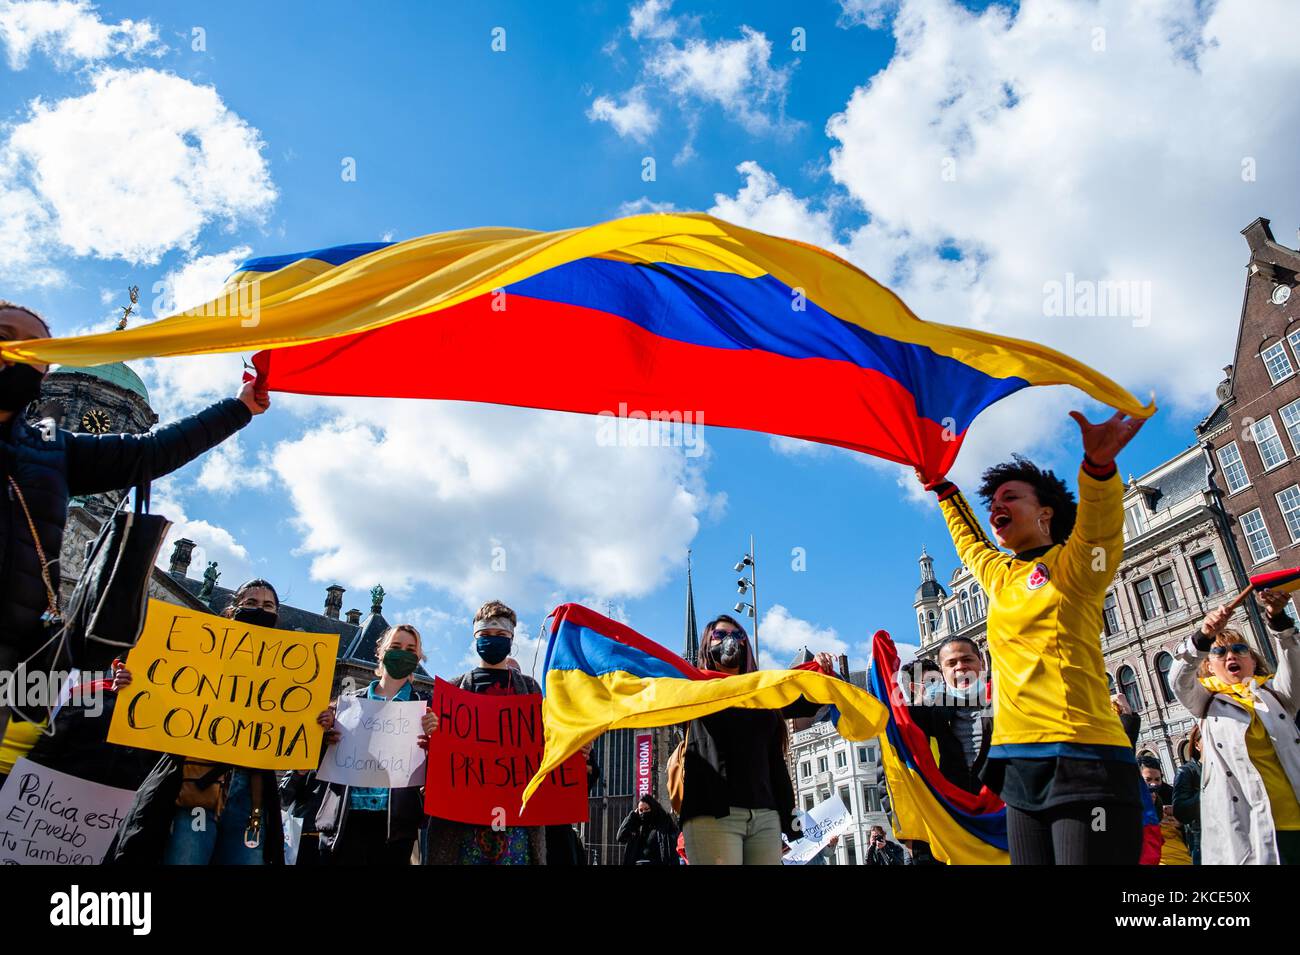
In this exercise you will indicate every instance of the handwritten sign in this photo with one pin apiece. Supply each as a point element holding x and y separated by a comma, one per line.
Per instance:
<point>483,753</point>
<point>644,764</point>
<point>823,823</point>
<point>213,689</point>
<point>380,745</point>
<point>51,818</point>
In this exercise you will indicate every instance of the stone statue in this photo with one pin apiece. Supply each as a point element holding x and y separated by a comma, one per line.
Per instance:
<point>209,580</point>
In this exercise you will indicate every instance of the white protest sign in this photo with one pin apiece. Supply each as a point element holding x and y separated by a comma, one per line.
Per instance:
<point>51,818</point>
<point>379,747</point>
<point>292,827</point>
<point>827,820</point>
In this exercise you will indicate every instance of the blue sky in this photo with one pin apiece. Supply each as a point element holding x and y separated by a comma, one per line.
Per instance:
<point>1119,155</point>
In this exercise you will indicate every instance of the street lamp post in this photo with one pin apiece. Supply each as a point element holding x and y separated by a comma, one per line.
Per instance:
<point>749,585</point>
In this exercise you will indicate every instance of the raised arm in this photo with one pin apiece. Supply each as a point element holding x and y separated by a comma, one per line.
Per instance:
<point>110,462</point>
<point>974,549</point>
<point>1092,553</point>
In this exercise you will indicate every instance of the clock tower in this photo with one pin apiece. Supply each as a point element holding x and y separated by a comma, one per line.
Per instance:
<point>104,399</point>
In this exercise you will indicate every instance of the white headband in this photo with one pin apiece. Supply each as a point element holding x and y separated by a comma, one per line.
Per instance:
<point>494,623</point>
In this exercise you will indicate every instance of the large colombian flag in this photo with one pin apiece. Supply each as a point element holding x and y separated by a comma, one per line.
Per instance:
<point>962,828</point>
<point>602,675</point>
<point>676,314</point>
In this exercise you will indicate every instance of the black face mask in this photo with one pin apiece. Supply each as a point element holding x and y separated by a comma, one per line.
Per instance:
<point>731,652</point>
<point>493,649</point>
<point>20,385</point>
<point>257,616</point>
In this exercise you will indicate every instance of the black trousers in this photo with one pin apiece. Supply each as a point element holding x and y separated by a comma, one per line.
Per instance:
<point>1080,833</point>
<point>365,842</point>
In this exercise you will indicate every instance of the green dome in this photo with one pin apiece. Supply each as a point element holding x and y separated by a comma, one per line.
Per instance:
<point>115,373</point>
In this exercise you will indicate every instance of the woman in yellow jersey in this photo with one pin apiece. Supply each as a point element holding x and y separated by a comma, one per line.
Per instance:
<point>1250,756</point>
<point>1059,757</point>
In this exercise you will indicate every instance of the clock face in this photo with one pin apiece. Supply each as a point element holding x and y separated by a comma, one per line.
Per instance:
<point>1281,294</point>
<point>96,421</point>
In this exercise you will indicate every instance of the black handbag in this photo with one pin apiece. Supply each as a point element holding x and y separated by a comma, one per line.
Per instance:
<point>106,611</point>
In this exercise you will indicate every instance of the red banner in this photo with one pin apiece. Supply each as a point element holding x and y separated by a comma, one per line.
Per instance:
<point>644,764</point>
<point>483,753</point>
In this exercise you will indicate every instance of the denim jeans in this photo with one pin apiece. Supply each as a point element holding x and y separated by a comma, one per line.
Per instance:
<point>743,837</point>
<point>219,841</point>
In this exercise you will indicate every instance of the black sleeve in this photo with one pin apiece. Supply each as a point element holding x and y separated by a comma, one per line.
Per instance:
<point>925,717</point>
<point>1132,726</point>
<point>112,462</point>
<point>1187,796</point>
<point>628,829</point>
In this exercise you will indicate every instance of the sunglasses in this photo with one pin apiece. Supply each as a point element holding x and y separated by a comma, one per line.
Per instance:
<point>1238,648</point>
<point>723,634</point>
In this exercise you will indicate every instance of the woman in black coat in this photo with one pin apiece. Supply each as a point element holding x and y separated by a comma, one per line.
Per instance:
<point>649,834</point>
<point>737,797</point>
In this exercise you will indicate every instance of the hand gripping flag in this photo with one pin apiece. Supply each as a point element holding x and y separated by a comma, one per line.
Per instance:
<point>601,675</point>
<point>639,316</point>
<point>962,828</point>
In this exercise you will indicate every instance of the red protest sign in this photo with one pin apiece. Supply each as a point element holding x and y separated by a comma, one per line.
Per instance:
<point>483,753</point>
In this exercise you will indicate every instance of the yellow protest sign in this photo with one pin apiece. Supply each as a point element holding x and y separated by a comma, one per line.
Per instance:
<point>214,689</point>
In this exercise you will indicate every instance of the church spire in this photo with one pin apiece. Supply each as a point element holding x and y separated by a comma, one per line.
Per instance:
<point>691,652</point>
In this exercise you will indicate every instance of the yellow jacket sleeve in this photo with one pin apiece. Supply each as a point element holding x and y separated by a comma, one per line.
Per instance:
<point>1092,552</point>
<point>989,565</point>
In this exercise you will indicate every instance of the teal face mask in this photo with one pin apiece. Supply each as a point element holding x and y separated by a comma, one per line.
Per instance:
<point>400,663</point>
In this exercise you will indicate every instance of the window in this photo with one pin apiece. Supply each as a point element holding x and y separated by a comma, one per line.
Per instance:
<point>871,748</point>
<point>1275,360</point>
<point>808,802</point>
<point>840,759</point>
<point>851,850</point>
<point>1135,520</point>
<point>873,798</point>
<point>805,769</point>
<point>1110,614</point>
<point>846,798</point>
<point>1288,502</point>
<point>1163,662</point>
<point>965,608</point>
<point>932,621</point>
<point>952,619</point>
<point>1167,582</point>
<point>1207,574</point>
<point>1234,471</point>
<point>1290,416</point>
<point>977,598</point>
<point>1146,595</point>
<point>1271,452</point>
<point>862,754</point>
<point>920,625</point>
<point>822,765</point>
<point>1294,339</point>
<point>1128,685</point>
<point>1257,539</point>
<point>1110,684</point>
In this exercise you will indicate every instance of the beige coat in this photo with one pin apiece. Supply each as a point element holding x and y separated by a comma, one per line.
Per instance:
<point>1236,819</point>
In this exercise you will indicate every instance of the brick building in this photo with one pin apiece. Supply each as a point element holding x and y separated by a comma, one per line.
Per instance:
<point>1254,431</point>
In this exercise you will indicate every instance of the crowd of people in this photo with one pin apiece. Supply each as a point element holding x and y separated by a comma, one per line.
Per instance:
<point>1052,741</point>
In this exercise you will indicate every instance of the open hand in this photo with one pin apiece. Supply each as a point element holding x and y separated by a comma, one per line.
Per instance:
<point>1101,442</point>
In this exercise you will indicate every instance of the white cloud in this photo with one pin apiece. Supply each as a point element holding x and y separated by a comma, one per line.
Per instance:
<point>781,635</point>
<point>213,541</point>
<point>644,204</point>
<point>635,119</point>
<point>1116,164</point>
<point>736,75</point>
<point>649,20</point>
<point>764,205</point>
<point>226,470</point>
<point>132,169</point>
<point>483,501</point>
<point>70,32</point>
<point>868,13</point>
<point>1104,141</point>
